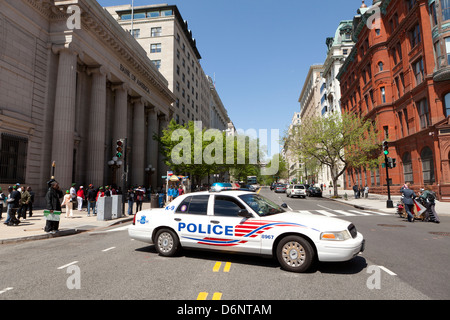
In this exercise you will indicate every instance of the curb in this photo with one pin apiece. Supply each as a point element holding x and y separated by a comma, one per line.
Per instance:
<point>62,233</point>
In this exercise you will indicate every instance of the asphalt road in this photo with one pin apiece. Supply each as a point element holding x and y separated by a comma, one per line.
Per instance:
<point>403,262</point>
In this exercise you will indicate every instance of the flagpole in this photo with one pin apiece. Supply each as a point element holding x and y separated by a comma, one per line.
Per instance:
<point>132,18</point>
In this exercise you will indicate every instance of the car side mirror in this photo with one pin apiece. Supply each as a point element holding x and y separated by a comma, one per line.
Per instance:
<point>244,213</point>
<point>284,205</point>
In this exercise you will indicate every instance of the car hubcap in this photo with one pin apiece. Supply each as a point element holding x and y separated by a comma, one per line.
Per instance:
<point>165,242</point>
<point>293,254</point>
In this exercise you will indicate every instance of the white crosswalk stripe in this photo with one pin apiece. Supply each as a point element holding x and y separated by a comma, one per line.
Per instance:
<point>326,213</point>
<point>347,213</point>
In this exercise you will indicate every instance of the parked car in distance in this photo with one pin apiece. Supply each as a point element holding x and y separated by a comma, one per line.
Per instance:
<point>280,187</point>
<point>314,192</point>
<point>296,190</point>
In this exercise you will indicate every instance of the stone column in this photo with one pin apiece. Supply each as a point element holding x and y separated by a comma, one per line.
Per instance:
<point>162,167</point>
<point>153,128</point>
<point>97,128</point>
<point>64,115</point>
<point>138,148</point>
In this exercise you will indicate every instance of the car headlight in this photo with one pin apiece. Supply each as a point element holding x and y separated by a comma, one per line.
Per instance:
<point>335,236</point>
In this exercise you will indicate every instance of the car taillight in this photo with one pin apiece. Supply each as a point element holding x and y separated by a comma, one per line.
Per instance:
<point>134,219</point>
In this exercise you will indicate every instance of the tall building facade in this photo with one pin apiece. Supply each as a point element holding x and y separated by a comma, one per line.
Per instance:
<point>71,85</point>
<point>310,106</point>
<point>338,48</point>
<point>397,75</point>
<point>169,43</point>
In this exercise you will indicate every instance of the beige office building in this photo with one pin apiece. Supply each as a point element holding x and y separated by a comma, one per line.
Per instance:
<point>72,82</point>
<point>169,43</point>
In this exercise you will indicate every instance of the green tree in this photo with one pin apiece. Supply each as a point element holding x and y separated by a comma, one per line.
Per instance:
<point>338,142</point>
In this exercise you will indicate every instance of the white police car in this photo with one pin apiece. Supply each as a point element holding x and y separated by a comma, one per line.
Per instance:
<point>246,222</point>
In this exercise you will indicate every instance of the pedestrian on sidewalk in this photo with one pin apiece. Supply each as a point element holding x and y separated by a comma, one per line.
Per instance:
<point>429,198</point>
<point>14,203</point>
<point>408,201</point>
<point>24,201</point>
<point>30,204</point>
<point>67,203</point>
<point>356,191</point>
<point>52,197</point>
<point>91,201</point>
<point>80,198</point>
<point>130,196</point>
<point>139,192</point>
<point>366,192</point>
<point>2,202</point>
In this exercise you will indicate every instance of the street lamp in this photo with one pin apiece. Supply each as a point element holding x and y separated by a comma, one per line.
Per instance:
<point>115,164</point>
<point>150,170</point>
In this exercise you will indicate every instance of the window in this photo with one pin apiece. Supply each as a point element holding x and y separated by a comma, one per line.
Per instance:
<point>383,94</point>
<point>447,48</point>
<point>445,4</point>
<point>156,32</point>
<point>153,14</point>
<point>136,33</point>
<point>407,168</point>
<point>157,63</point>
<point>13,158</point>
<point>418,71</point>
<point>197,205</point>
<point>427,165</point>
<point>227,206</point>
<point>433,14</point>
<point>156,47</point>
<point>447,104</point>
<point>414,36</point>
<point>424,115</point>
<point>380,66</point>
<point>410,4</point>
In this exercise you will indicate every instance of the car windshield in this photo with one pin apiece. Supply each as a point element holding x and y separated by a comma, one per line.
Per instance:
<point>261,205</point>
<point>299,187</point>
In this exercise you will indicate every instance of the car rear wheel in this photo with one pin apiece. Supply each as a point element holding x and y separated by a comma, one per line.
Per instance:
<point>167,243</point>
<point>295,254</point>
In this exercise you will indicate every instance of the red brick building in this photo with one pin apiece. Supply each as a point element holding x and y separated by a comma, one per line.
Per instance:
<point>398,75</point>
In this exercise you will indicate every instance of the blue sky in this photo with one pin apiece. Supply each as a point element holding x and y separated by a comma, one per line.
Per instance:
<point>260,51</point>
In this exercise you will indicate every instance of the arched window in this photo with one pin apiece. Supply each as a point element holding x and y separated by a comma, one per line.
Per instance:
<point>427,165</point>
<point>447,104</point>
<point>380,66</point>
<point>407,168</point>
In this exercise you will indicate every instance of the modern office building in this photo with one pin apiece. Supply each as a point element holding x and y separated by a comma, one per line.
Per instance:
<point>166,37</point>
<point>72,82</point>
<point>398,76</point>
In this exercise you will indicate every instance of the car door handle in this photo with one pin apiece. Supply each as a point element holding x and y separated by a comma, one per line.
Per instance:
<point>215,222</point>
<point>177,219</point>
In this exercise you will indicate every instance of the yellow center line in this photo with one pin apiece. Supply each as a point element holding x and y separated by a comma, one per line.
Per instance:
<point>227,267</point>
<point>258,190</point>
<point>217,267</point>
<point>217,296</point>
<point>202,296</point>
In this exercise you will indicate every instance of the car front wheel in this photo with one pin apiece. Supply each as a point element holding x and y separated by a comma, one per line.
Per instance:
<point>295,254</point>
<point>167,243</point>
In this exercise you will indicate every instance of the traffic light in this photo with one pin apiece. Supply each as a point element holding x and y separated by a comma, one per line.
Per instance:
<point>391,163</point>
<point>386,147</point>
<point>119,148</point>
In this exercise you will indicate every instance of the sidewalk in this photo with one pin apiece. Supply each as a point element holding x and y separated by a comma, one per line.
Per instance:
<point>378,202</point>
<point>33,228</point>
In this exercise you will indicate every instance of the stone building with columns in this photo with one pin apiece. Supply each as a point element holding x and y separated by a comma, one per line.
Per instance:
<point>72,82</point>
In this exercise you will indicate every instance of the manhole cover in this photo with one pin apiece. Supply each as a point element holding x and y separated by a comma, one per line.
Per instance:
<point>447,234</point>
<point>391,225</point>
